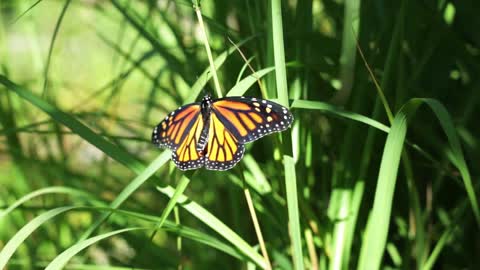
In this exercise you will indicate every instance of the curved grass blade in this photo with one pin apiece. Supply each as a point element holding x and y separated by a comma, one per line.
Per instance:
<point>26,11</point>
<point>62,259</point>
<point>242,86</point>
<point>43,191</point>
<point>377,227</point>
<point>52,43</point>
<point>184,231</point>
<point>128,190</point>
<point>76,126</point>
<point>171,203</point>
<point>217,225</point>
<point>125,158</point>
<point>322,106</point>
<point>26,230</point>
<point>243,69</point>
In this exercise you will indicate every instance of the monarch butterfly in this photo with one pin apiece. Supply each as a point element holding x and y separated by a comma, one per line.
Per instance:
<point>212,133</point>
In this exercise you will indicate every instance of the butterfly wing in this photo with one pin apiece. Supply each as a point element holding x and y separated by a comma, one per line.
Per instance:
<point>249,119</point>
<point>223,150</point>
<point>186,156</point>
<point>180,132</point>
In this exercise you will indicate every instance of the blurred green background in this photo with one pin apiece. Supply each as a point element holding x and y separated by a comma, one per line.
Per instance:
<point>83,83</point>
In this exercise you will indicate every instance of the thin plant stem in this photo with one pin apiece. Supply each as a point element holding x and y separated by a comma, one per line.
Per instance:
<point>311,249</point>
<point>374,79</point>
<point>258,231</point>
<point>176,212</point>
<point>260,85</point>
<point>52,43</point>
<point>207,48</point>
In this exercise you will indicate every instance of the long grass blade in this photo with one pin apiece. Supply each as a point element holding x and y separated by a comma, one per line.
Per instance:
<point>26,230</point>
<point>215,224</point>
<point>62,259</point>
<point>378,223</point>
<point>289,165</point>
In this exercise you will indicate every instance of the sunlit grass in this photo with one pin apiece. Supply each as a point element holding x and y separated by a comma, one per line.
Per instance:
<point>365,178</point>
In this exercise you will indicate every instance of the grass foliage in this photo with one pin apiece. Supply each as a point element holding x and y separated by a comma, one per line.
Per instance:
<point>379,170</point>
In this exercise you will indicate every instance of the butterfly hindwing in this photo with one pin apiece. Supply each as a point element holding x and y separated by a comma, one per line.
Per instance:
<point>223,150</point>
<point>249,119</point>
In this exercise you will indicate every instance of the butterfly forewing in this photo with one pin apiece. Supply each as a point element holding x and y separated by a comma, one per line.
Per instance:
<point>175,127</point>
<point>180,132</point>
<point>249,119</point>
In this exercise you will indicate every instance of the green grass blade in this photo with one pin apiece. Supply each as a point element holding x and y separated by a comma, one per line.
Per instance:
<point>52,43</point>
<point>378,222</point>
<point>457,157</point>
<point>342,212</point>
<point>75,125</point>
<point>204,238</point>
<point>377,227</point>
<point>26,230</point>
<point>258,181</point>
<point>289,165</point>
<point>279,52</point>
<point>128,190</point>
<point>173,200</point>
<point>217,225</point>
<point>26,11</point>
<point>293,210</point>
<point>243,69</point>
<point>62,259</point>
<point>40,192</point>
<point>351,22</point>
<point>242,86</point>
<point>183,231</point>
<point>328,108</point>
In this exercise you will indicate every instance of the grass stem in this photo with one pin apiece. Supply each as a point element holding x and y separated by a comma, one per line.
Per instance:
<point>209,51</point>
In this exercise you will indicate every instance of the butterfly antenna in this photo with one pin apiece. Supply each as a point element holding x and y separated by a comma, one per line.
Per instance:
<point>262,89</point>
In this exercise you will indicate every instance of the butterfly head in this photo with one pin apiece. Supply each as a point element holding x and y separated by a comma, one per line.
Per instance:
<point>206,101</point>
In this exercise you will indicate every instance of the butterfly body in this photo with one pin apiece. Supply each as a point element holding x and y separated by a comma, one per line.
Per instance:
<point>206,108</point>
<point>212,133</point>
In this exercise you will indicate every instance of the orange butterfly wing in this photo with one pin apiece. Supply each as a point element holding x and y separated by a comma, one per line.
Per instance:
<point>180,132</point>
<point>223,150</point>
<point>249,119</point>
<point>232,122</point>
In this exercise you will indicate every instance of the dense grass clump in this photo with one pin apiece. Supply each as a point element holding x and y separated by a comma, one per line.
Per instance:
<point>379,170</point>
